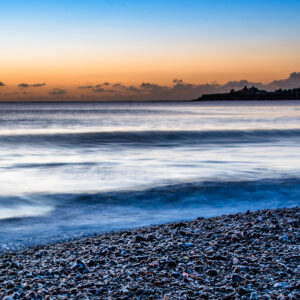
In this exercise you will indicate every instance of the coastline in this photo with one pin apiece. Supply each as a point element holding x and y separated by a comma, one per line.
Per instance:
<point>254,93</point>
<point>200,100</point>
<point>249,255</point>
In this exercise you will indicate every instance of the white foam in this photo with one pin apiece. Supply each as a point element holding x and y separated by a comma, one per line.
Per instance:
<point>24,211</point>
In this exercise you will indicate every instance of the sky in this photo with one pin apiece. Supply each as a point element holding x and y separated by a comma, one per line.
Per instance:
<point>55,47</point>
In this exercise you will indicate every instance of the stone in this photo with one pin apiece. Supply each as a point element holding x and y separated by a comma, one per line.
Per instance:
<point>139,238</point>
<point>254,296</point>
<point>280,285</point>
<point>236,277</point>
<point>212,272</point>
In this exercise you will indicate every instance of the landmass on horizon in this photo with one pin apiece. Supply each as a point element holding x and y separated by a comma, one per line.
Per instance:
<point>253,93</point>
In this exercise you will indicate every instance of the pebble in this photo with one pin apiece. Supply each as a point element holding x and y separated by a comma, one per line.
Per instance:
<point>236,277</point>
<point>212,272</point>
<point>79,264</point>
<point>284,238</point>
<point>254,296</point>
<point>280,285</point>
<point>243,256</point>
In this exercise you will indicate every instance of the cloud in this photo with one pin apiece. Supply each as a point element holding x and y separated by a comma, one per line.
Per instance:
<point>99,90</point>
<point>292,82</point>
<point>177,81</point>
<point>11,94</point>
<point>97,86</point>
<point>147,85</point>
<point>132,88</point>
<point>152,91</point>
<point>86,87</point>
<point>102,90</point>
<point>38,84</point>
<point>23,85</point>
<point>57,92</point>
<point>1,84</point>
<point>119,86</point>
<point>183,91</point>
<point>26,85</point>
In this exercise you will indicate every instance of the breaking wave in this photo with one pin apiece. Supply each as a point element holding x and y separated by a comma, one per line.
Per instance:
<point>153,138</point>
<point>51,217</point>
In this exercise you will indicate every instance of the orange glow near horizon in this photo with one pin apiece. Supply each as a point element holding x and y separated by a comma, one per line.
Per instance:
<point>196,70</point>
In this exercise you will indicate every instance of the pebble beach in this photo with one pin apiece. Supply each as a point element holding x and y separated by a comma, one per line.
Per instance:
<point>252,255</point>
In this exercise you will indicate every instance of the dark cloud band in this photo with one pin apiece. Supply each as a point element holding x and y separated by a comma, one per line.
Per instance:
<point>26,85</point>
<point>57,92</point>
<point>180,90</point>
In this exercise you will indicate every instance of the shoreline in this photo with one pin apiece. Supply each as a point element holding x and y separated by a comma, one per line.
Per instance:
<point>55,101</point>
<point>249,255</point>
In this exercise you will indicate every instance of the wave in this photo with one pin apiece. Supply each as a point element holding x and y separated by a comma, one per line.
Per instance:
<point>267,192</point>
<point>52,165</point>
<point>195,192</point>
<point>22,207</point>
<point>155,138</point>
<point>36,218</point>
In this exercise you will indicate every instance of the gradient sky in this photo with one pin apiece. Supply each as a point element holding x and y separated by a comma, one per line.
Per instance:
<point>69,43</point>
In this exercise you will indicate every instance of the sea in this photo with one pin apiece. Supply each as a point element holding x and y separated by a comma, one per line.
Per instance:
<point>74,169</point>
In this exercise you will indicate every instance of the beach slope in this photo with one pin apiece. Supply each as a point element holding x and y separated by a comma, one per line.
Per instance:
<point>254,255</point>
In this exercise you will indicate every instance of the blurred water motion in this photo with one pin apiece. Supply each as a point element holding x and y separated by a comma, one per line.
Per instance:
<point>73,168</point>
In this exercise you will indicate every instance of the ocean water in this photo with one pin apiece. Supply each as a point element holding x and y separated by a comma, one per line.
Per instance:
<point>71,169</point>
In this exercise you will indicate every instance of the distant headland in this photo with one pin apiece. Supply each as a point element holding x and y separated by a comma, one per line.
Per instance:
<point>253,93</point>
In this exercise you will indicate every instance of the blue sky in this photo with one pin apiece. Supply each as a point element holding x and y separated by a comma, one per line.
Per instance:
<point>214,37</point>
<point>139,15</point>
